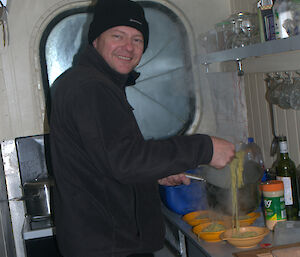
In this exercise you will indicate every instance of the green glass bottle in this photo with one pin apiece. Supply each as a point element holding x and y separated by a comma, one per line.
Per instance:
<point>286,172</point>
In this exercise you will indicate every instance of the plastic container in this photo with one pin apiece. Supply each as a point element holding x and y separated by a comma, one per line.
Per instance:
<point>254,152</point>
<point>274,206</point>
<point>183,199</point>
<point>287,232</point>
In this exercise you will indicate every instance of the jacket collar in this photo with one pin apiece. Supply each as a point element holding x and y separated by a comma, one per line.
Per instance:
<point>91,57</point>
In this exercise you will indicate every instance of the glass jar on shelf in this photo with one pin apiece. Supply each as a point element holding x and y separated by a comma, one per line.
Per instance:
<point>285,89</point>
<point>295,94</point>
<point>224,32</point>
<point>245,29</point>
<point>287,18</point>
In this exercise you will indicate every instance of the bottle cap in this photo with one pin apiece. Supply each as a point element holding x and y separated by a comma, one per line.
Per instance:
<point>272,185</point>
<point>250,140</point>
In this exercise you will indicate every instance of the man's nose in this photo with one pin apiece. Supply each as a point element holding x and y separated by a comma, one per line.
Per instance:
<point>129,44</point>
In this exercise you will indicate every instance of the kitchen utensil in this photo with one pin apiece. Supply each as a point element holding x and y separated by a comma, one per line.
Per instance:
<point>249,220</point>
<point>209,236</point>
<point>222,177</point>
<point>295,94</point>
<point>245,242</point>
<point>272,99</point>
<point>196,177</point>
<point>218,183</point>
<point>197,217</point>
<point>218,188</point>
<point>285,88</point>
<point>275,141</point>
<point>220,199</point>
<point>244,220</point>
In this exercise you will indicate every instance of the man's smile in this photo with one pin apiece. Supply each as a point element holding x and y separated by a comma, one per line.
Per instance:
<point>124,58</point>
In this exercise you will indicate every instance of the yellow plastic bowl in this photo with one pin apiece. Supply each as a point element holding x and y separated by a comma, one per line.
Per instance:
<point>196,217</point>
<point>245,242</point>
<point>208,236</point>
<point>249,221</point>
<point>244,221</point>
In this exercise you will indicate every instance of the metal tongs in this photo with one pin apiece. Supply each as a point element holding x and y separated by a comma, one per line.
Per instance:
<point>193,176</point>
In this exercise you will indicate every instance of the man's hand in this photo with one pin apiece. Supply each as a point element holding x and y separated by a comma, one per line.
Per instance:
<point>224,152</point>
<point>174,180</point>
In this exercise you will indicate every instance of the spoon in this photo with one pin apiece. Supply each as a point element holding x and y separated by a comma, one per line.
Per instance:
<point>275,140</point>
<point>274,144</point>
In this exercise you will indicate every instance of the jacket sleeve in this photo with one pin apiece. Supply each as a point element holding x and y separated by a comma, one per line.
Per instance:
<point>111,137</point>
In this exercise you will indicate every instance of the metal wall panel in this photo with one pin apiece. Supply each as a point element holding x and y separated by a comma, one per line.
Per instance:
<point>7,245</point>
<point>287,122</point>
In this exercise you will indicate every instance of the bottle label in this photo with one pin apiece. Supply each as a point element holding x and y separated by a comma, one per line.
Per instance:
<point>281,17</point>
<point>274,208</point>
<point>266,4</point>
<point>287,184</point>
<point>283,147</point>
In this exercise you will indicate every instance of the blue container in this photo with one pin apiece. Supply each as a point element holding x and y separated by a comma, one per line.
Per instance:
<point>183,199</point>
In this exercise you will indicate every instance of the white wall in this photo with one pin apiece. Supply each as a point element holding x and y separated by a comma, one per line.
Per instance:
<point>22,99</point>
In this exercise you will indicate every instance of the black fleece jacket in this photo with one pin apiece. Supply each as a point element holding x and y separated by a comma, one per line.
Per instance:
<point>106,200</point>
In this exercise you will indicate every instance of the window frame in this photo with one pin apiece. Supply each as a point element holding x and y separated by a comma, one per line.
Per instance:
<point>172,11</point>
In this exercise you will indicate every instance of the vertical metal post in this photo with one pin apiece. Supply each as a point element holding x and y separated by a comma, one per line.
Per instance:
<point>14,190</point>
<point>182,246</point>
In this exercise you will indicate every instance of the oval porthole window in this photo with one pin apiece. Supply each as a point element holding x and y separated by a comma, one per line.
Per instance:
<point>163,97</point>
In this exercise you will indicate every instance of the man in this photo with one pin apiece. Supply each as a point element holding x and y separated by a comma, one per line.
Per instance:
<point>106,200</point>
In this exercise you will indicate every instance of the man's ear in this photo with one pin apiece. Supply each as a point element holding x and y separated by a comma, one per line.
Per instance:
<point>94,43</point>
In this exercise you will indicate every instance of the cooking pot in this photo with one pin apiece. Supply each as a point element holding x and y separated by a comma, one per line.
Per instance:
<point>218,183</point>
<point>37,198</point>
<point>219,192</point>
<point>220,199</point>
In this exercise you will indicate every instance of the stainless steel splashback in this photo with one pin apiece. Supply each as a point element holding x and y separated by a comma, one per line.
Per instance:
<point>7,245</point>
<point>14,190</point>
<point>23,161</point>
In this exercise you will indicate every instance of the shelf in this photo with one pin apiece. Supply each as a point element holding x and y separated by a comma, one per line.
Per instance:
<point>256,50</point>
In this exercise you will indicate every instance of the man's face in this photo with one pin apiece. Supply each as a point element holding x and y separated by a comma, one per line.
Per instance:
<point>121,47</point>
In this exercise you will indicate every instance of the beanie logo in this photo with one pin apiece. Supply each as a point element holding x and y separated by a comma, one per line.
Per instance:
<point>132,20</point>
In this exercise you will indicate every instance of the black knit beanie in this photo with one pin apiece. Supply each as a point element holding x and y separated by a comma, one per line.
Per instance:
<point>112,13</point>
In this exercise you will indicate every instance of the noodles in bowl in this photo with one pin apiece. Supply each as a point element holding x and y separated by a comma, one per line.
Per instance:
<point>209,231</point>
<point>246,237</point>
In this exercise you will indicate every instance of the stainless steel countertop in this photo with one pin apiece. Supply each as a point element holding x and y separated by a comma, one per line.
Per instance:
<point>216,249</point>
